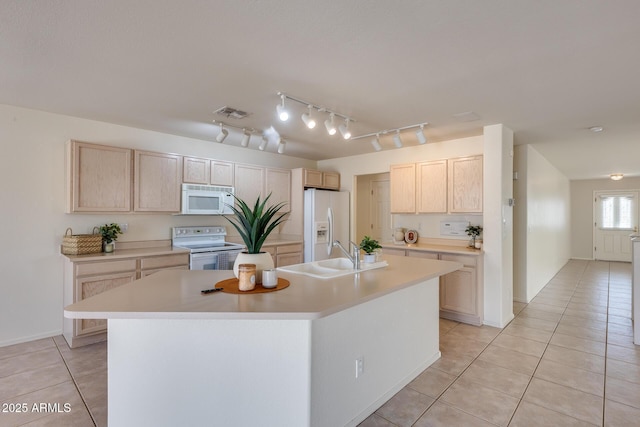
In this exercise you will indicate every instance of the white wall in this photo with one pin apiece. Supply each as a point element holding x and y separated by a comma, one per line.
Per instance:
<point>32,218</point>
<point>543,224</point>
<point>582,210</point>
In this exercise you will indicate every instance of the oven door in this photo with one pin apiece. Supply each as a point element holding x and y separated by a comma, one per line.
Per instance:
<point>204,261</point>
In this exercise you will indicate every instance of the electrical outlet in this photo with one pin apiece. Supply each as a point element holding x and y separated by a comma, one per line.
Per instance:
<point>359,366</point>
<point>124,227</point>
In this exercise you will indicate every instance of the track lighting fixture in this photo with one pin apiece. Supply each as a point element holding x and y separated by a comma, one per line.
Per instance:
<point>422,139</point>
<point>344,129</point>
<point>331,128</point>
<point>246,136</point>
<point>222,135</point>
<point>309,121</point>
<point>376,143</point>
<point>281,146</point>
<point>396,140</point>
<point>283,114</point>
<point>263,143</point>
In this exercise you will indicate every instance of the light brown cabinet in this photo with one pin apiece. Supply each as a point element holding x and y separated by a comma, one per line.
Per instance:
<point>249,182</point>
<point>157,182</point>
<point>319,179</point>
<point>440,186</point>
<point>84,279</point>
<point>402,182</point>
<point>288,254</point>
<point>461,292</point>
<point>196,170</point>
<point>222,173</point>
<point>278,184</point>
<point>431,181</point>
<point>465,185</point>
<point>98,178</point>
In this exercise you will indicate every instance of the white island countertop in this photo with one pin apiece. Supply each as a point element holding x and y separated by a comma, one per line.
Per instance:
<point>175,294</point>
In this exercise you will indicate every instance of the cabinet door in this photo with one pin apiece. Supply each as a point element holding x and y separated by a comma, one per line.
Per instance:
<point>288,259</point>
<point>313,178</point>
<point>278,184</point>
<point>221,173</point>
<point>458,292</point>
<point>93,285</point>
<point>157,182</point>
<point>331,180</point>
<point>403,188</point>
<point>431,180</point>
<point>99,178</point>
<point>249,183</point>
<point>196,170</point>
<point>465,185</point>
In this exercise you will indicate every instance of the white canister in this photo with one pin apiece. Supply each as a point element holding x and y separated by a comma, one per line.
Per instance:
<point>269,278</point>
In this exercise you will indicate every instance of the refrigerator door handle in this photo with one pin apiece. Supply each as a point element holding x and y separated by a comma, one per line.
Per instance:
<point>330,240</point>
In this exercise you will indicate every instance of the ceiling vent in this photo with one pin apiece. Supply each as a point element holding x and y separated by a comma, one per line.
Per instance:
<point>231,113</point>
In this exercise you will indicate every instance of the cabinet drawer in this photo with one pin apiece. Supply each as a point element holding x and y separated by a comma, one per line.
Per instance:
<point>422,254</point>
<point>287,249</point>
<point>106,267</point>
<point>164,261</point>
<point>146,273</point>
<point>288,259</point>
<point>393,251</point>
<point>468,261</point>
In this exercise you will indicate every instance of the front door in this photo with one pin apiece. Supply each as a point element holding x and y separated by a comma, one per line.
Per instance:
<point>616,217</point>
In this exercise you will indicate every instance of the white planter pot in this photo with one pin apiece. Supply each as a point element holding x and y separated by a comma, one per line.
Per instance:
<point>262,261</point>
<point>369,258</point>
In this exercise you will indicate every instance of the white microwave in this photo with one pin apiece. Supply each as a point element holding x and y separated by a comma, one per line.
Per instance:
<point>206,200</point>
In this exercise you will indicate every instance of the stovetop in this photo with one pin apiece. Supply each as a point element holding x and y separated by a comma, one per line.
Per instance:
<point>202,239</point>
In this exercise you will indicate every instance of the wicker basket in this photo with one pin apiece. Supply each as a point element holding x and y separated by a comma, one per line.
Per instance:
<point>79,244</point>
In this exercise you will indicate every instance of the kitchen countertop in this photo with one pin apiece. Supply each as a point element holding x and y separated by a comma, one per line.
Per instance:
<point>128,253</point>
<point>175,294</point>
<point>431,247</point>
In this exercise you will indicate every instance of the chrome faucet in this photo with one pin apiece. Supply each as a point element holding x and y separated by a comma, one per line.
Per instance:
<point>355,259</point>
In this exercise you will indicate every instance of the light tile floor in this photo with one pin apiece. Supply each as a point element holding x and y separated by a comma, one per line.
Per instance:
<point>567,359</point>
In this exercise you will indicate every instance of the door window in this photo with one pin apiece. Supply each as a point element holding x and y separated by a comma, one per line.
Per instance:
<point>617,212</point>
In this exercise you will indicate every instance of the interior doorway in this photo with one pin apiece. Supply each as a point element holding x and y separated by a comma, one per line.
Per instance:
<point>373,214</point>
<point>615,218</point>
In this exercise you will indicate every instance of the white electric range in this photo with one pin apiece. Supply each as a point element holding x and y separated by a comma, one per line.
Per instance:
<point>209,249</point>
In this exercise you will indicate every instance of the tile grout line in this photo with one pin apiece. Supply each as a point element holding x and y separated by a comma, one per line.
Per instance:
<point>73,378</point>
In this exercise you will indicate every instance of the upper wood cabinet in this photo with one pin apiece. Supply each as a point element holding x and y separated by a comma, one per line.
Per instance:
<point>249,182</point>
<point>222,173</point>
<point>196,170</point>
<point>319,179</point>
<point>98,178</point>
<point>278,184</point>
<point>403,188</point>
<point>465,185</point>
<point>439,186</point>
<point>431,181</point>
<point>157,182</point>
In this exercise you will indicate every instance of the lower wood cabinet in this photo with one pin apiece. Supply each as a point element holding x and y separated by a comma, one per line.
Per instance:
<point>285,254</point>
<point>84,279</point>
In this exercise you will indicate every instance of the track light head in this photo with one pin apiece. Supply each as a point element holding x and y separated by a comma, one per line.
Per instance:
<point>422,139</point>
<point>246,136</point>
<point>283,114</point>
<point>396,140</point>
<point>309,121</point>
<point>331,128</point>
<point>376,143</point>
<point>263,143</point>
<point>281,146</point>
<point>344,129</point>
<point>222,135</point>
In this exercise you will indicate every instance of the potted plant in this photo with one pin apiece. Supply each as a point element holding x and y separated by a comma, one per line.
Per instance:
<point>254,225</point>
<point>109,235</point>
<point>369,246</point>
<point>474,232</point>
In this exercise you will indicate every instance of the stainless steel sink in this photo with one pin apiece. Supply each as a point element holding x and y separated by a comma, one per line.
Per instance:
<point>329,268</point>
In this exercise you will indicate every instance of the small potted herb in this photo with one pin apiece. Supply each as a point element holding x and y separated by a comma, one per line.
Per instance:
<point>369,246</point>
<point>109,235</point>
<point>473,231</point>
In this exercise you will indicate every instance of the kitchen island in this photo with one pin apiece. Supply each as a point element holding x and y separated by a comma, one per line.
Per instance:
<point>318,353</point>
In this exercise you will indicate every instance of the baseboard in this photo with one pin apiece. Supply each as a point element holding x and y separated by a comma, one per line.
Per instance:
<point>497,325</point>
<point>21,340</point>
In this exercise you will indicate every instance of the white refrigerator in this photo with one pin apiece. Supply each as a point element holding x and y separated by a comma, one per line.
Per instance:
<point>326,218</point>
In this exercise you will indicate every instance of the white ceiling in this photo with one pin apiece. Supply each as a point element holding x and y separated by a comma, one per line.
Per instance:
<point>546,69</point>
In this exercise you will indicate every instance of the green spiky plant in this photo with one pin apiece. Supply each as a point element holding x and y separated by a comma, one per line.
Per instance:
<point>254,225</point>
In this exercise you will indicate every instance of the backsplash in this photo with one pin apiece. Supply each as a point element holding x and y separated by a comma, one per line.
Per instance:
<point>429,225</point>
